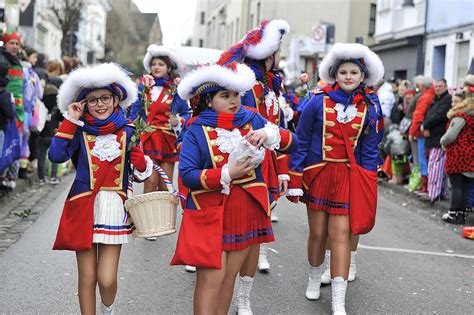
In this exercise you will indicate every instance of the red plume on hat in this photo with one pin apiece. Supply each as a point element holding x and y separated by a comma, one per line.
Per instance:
<point>11,35</point>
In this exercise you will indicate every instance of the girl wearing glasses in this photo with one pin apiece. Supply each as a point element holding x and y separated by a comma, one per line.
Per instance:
<point>166,113</point>
<point>95,135</point>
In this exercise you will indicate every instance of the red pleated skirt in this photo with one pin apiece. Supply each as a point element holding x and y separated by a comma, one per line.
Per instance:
<point>270,173</point>
<point>161,146</point>
<point>329,189</point>
<point>245,222</point>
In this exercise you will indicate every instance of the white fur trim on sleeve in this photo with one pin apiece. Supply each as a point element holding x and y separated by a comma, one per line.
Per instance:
<point>225,179</point>
<point>273,139</point>
<point>179,126</point>
<point>147,172</point>
<point>294,192</point>
<point>284,177</point>
<point>74,121</point>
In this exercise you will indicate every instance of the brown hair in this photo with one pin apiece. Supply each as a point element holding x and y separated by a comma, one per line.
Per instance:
<point>172,67</point>
<point>54,67</point>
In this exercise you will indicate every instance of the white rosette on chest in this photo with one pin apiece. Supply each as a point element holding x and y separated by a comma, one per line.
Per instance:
<point>345,116</point>
<point>106,148</point>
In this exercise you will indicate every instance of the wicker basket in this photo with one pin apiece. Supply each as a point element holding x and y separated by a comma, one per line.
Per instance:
<point>154,214</point>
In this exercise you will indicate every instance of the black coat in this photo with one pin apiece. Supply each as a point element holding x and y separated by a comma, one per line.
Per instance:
<point>436,120</point>
<point>7,108</point>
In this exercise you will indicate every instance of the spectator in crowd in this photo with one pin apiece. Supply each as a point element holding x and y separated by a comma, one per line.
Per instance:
<point>387,99</point>
<point>54,71</point>
<point>425,86</point>
<point>398,147</point>
<point>433,128</point>
<point>32,91</point>
<point>459,147</point>
<point>7,109</point>
<point>15,86</point>
<point>398,110</point>
<point>43,76</point>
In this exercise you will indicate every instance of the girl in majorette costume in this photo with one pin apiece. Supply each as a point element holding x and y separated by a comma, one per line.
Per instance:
<point>166,111</point>
<point>221,181</point>
<point>320,166</point>
<point>260,50</point>
<point>95,135</point>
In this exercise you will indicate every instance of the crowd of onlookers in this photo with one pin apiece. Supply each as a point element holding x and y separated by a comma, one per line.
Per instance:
<point>429,139</point>
<point>29,115</point>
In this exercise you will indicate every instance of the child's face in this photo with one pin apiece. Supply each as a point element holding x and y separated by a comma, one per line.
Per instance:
<point>456,100</point>
<point>159,68</point>
<point>226,102</point>
<point>101,103</point>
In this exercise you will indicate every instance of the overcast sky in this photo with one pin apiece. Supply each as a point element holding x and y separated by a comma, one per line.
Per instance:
<point>176,18</point>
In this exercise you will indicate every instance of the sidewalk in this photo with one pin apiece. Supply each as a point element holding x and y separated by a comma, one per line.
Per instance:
<point>24,205</point>
<point>437,209</point>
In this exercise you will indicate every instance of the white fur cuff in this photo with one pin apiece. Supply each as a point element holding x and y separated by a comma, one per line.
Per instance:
<point>74,121</point>
<point>225,179</point>
<point>147,172</point>
<point>179,126</point>
<point>273,133</point>
<point>294,192</point>
<point>284,177</point>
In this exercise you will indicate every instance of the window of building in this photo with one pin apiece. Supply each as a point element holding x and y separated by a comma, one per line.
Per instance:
<point>463,62</point>
<point>202,18</point>
<point>201,43</point>
<point>439,61</point>
<point>400,74</point>
<point>373,13</point>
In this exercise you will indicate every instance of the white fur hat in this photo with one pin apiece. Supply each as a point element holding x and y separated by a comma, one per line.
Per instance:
<point>258,43</point>
<point>350,52</point>
<point>105,75</point>
<point>157,51</point>
<point>234,77</point>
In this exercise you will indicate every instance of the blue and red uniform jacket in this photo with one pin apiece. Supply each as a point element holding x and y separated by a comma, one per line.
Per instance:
<point>277,164</point>
<point>167,102</point>
<point>71,143</point>
<point>201,162</point>
<point>318,144</point>
<point>92,175</point>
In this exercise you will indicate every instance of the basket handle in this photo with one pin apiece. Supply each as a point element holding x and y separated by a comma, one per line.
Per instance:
<point>166,179</point>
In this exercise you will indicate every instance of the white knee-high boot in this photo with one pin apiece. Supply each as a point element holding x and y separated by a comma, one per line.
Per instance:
<point>242,299</point>
<point>314,282</point>
<point>339,286</point>
<point>107,310</point>
<point>352,267</point>
<point>263,264</point>
<point>326,276</point>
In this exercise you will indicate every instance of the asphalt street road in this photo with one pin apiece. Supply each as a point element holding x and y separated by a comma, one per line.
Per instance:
<point>411,263</point>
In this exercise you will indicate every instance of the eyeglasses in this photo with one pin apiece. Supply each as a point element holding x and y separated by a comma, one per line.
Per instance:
<point>105,99</point>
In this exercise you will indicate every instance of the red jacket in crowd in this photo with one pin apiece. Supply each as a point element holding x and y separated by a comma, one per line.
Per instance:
<point>421,108</point>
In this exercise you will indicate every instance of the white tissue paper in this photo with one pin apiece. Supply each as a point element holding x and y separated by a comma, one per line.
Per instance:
<point>244,150</point>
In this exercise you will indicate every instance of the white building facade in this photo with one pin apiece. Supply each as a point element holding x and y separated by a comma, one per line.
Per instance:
<point>399,32</point>
<point>91,32</point>
<point>449,40</point>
